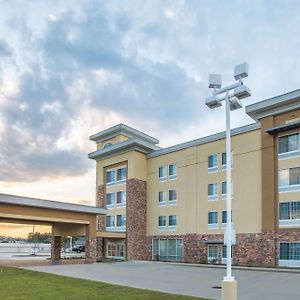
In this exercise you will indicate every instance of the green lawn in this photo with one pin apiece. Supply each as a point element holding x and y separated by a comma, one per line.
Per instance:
<point>21,284</point>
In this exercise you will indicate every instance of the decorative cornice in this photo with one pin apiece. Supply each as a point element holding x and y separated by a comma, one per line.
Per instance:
<point>123,130</point>
<point>274,106</point>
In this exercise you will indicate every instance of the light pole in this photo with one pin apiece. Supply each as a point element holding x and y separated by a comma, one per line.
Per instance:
<point>232,102</point>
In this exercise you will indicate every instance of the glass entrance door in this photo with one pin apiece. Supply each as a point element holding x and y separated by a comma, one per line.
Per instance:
<point>116,250</point>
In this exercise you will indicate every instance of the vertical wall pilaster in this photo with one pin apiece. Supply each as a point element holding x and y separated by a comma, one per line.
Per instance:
<point>91,243</point>
<point>56,248</point>
<point>136,207</point>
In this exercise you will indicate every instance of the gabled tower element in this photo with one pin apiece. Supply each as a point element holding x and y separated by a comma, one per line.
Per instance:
<point>121,159</point>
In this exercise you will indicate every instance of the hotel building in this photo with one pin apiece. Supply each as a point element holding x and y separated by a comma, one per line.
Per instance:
<point>169,203</point>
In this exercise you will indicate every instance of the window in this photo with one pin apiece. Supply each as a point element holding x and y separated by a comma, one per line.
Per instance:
<point>110,199</point>
<point>289,179</point>
<point>121,174</point>
<point>121,198</point>
<point>115,250</point>
<point>224,188</point>
<point>162,173</point>
<point>212,190</point>
<point>289,213</point>
<point>224,216</point>
<point>172,221</point>
<point>110,221</point>
<point>224,159</point>
<point>172,195</point>
<point>212,220</point>
<point>289,254</point>
<point>110,177</point>
<point>172,171</point>
<point>162,198</point>
<point>213,163</point>
<point>212,253</point>
<point>121,220</point>
<point>167,249</point>
<point>288,143</point>
<point>162,221</point>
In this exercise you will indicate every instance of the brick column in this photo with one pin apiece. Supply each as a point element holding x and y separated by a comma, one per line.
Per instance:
<point>91,250</point>
<point>91,242</point>
<point>100,222</point>
<point>55,248</point>
<point>136,205</point>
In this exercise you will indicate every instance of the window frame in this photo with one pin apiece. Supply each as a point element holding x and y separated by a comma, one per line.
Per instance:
<point>291,220</point>
<point>214,167</point>
<point>213,225</point>
<point>214,196</point>
<point>164,177</point>
<point>172,176</point>
<point>290,187</point>
<point>288,153</point>
<point>114,200</point>
<point>120,181</point>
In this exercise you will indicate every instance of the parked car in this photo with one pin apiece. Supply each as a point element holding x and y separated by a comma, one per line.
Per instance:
<point>78,249</point>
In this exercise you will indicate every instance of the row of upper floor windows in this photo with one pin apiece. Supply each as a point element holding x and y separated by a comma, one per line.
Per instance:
<point>289,145</point>
<point>171,225</point>
<point>115,222</point>
<point>167,172</point>
<point>213,162</point>
<point>116,199</point>
<point>213,219</point>
<point>116,175</point>
<point>289,180</point>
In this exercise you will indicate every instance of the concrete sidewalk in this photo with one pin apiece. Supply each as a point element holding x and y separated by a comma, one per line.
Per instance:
<point>183,279</point>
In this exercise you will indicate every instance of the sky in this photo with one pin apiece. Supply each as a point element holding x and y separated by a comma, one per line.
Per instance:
<point>69,69</point>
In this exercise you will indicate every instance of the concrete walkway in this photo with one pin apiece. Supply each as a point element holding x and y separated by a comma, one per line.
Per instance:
<point>183,279</point>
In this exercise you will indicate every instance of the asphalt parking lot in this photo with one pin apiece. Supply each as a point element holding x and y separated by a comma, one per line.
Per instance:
<point>185,279</point>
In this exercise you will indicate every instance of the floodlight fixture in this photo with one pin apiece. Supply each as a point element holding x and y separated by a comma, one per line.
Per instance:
<point>242,92</point>
<point>235,103</point>
<point>213,102</point>
<point>241,71</point>
<point>215,81</point>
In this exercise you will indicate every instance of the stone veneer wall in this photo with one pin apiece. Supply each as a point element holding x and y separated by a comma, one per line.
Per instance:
<point>91,250</point>
<point>136,214</point>
<point>100,222</point>
<point>55,248</point>
<point>261,249</point>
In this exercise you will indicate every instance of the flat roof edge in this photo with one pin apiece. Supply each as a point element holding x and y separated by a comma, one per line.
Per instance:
<point>125,145</point>
<point>50,204</point>
<point>122,129</point>
<point>204,140</point>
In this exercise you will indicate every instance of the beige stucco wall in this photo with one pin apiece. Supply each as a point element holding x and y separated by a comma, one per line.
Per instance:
<point>191,185</point>
<point>137,165</point>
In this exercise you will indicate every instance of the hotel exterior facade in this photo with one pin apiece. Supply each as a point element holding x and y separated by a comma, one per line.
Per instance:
<point>170,204</point>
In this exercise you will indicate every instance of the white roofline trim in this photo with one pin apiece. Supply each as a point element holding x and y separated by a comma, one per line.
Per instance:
<point>50,204</point>
<point>275,105</point>
<point>130,144</point>
<point>204,140</point>
<point>122,129</point>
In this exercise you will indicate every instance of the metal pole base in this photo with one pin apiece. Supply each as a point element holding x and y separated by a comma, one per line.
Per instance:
<point>229,290</point>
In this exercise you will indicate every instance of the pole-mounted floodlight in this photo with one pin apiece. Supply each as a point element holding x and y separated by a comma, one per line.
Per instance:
<point>232,101</point>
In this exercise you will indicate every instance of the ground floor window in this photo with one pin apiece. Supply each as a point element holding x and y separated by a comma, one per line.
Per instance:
<point>212,253</point>
<point>167,249</point>
<point>116,250</point>
<point>289,254</point>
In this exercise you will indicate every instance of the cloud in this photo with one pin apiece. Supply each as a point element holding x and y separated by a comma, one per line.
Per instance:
<point>5,49</point>
<point>80,68</point>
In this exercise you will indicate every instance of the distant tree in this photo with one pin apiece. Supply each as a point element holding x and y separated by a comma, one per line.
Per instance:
<point>37,237</point>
